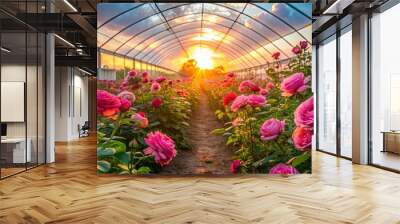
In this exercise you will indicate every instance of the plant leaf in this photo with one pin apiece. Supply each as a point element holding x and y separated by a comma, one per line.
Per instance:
<point>103,166</point>
<point>300,159</point>
<point>144,170</point>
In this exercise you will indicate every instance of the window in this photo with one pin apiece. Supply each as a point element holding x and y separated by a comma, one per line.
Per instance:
<point>327,95</point>
<point>346,93</point>
<point>385,89</point>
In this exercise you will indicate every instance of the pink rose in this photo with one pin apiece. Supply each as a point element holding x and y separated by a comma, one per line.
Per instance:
<point>302,138</point>
<point>107,104</point>
<point>127,95</point>
<point>269,86</point>
<point>276,55</point>
<point>145,74</point>
<point>161,146</point>
<point>156,102</point>
<point>155,87</point>
<point>247,85</point>
<point>263,92</point>
<point>141,119</point>
<point>235,166</point>
<point>125,104</point>
<point>229,97</point>
<point>160,79</point>
<point>132,73</point>
<point>124,85</point>
<point>230,75</point>
<point>304,114</point>
<point>296,50</point>
<point>239,102</point>
<point>256,100</point>
<point>145,80</point>
<point>303,44</point>
<point>271,129</point>
<point>284,169</point>
<point>293,84</point>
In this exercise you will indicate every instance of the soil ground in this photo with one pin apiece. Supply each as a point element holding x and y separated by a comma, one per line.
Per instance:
<point>209,154</point>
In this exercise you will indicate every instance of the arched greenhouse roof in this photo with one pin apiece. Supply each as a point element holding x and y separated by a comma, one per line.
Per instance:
<point>242,35</point>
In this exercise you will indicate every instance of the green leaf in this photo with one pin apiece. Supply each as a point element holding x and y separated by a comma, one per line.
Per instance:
<point>103,166</point>
<point>123,167</point>
<point>263,161</point>
<point>231,140</point>
<point>155,123</point>
<point>300,159</point>
<point>105,152</point>
<point>110,148</point>
<point>185,123</point>
<point>218,131</point>
<point>144,170</point>
<point>124,158</point>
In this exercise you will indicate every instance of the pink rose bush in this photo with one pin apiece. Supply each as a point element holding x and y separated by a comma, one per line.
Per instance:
<point>256,100</point>
<point>269,121</point>
<point>302,138</point>
<point>252,100</point>
<point>304,114</point>
<point>293,84</point>
<point>248,86</point>
<point>107,104</point>
<point>155,87</point>
<point>239,102</point>
<point>141,119</point>
<point>271,129</point>
<point>161,146</point>
<point>235,166</point>
<point>283,169</point>
<point>135,116</point>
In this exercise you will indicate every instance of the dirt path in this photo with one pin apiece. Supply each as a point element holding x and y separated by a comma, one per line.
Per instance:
<point>209,155</point>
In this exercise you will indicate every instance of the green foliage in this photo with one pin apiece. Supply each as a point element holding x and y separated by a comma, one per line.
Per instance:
<point>259,156</point>
<point>120,139</point>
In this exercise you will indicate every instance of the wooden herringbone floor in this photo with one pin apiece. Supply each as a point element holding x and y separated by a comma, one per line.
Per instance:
<point>69,191</point>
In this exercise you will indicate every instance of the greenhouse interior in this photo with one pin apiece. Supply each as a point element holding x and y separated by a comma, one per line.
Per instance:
<point>203,75</point>
<point>117,111</point>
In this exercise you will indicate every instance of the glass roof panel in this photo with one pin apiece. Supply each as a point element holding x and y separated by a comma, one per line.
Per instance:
<point>224,21</point>
<point>101,38</point>
<point>121,23</point>
<point>246,33</point>
<point>287,14</point>
<point>150,43</point>
<point>246,40</point>
<point>184,19</point>
<point>235,6</point>
<point>265,17</point>
<point>112,44</point>
<point>138,28</point>
<point>165,6</point>
<point>106,11</point>
<point>306,9</point>
<point>182,10</point>
<point>187,26</point>
<point>220,11</point>
<point>245,21</point>
<point>137,38</point>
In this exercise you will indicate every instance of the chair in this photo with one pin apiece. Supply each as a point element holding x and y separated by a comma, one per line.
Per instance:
<point>84,130</point>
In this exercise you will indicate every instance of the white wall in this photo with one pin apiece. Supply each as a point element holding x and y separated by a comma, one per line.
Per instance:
<point>33,127</point>
<point>71,102</point>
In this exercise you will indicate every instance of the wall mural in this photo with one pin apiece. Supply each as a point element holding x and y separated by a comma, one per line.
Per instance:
<point>204,88</point>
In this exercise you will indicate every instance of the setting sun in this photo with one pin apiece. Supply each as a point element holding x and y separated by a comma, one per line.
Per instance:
<point>203,57</point>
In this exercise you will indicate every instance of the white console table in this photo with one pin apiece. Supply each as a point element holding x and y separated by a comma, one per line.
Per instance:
<point>18,149</point>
